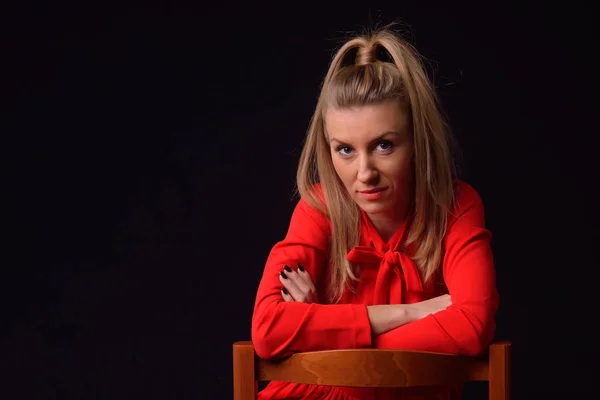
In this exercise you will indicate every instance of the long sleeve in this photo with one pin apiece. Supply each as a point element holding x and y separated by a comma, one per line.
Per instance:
<point>467,326</point>
<point>280,328</point>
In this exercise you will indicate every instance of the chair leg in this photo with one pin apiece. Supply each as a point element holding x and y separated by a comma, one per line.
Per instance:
<point>244,381</point>
<point>500,371</point>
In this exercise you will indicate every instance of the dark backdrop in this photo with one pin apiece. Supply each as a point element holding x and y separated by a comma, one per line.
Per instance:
<point>151,160</point>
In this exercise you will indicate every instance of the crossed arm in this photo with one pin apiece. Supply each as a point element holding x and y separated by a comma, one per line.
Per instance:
<point>285,323</point>
<point>297,286</point>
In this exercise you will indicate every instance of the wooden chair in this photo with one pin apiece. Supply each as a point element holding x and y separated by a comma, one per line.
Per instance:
<point>371,368</point>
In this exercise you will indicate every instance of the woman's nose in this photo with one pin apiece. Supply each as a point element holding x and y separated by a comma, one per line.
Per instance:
<point>366,170</point>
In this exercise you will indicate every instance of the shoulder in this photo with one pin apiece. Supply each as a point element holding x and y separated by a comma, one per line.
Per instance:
<point>314,200</point>
<point>311,208</point>
<point>467,201</point>
<point>465,194</point>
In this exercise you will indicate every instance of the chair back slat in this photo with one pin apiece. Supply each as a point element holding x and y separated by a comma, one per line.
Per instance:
<point>373,368</point>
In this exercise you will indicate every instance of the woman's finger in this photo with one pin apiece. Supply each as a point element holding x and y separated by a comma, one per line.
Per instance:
<point>291,287</point>
<point>303,284</point>
<point>303,273</point>
<point>286,295</point>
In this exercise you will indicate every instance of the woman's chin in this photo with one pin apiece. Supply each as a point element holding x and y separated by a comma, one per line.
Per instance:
<point>372,207</point>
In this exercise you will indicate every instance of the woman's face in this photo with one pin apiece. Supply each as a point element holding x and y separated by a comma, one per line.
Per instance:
<point>372,149</point>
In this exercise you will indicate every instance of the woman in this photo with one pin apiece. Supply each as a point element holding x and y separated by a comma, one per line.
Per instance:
<point>386,248</point>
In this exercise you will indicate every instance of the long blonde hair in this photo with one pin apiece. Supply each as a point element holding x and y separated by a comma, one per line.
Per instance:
<point>370,69</point>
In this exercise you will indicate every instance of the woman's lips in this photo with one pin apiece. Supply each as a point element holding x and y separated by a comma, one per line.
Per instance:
<point>373,194</point>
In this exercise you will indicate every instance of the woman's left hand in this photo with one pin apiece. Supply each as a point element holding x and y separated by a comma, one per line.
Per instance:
<point>297,285</point>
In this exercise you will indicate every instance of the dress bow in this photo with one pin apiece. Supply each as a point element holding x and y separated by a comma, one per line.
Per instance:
<point>393,265</point>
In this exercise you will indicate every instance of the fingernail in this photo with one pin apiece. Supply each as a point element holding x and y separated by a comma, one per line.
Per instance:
<point>288,269</point>
<point>284,290</point>
<point>283,275</point>
<point>300,267</point>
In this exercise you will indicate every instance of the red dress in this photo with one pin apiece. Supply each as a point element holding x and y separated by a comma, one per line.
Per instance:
<point>387,276</point>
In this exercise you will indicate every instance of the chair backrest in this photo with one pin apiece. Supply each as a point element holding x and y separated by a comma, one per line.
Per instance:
<point>372,368</point>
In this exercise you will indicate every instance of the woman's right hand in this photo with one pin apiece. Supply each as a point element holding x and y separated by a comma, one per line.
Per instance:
<point>297,285</point>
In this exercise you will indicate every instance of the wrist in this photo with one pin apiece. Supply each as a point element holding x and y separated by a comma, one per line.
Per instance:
<point>406,313</point>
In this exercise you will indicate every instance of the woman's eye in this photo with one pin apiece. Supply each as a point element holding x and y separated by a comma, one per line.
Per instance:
<point>344,150</point>
<point>385,145</point>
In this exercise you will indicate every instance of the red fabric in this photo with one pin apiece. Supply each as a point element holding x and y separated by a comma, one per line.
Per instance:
<point>387,276</point>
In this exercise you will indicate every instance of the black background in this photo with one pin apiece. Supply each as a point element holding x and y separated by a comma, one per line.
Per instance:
<point>151,154</point>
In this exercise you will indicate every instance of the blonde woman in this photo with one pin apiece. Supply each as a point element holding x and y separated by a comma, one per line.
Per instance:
<point>386,248</point>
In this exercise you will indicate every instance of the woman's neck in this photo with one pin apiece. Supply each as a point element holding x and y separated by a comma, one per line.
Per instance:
<point>387,224</point>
